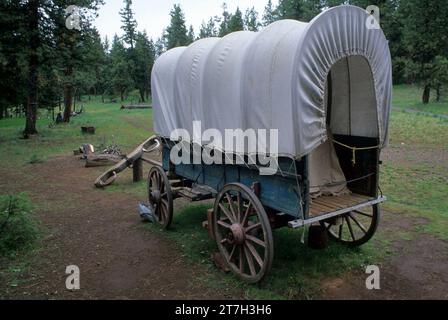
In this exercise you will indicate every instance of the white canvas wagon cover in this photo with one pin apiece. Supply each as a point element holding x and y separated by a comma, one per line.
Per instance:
<point>277,79</point>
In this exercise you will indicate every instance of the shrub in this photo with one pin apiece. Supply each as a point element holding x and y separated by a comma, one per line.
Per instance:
<point>18,228</point>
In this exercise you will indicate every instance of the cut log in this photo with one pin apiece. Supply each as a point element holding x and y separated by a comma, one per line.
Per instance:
<point>90,130</point>
<point>136,106</point>
<point>99,160</point>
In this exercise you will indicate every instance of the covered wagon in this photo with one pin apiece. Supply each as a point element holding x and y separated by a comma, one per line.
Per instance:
<point>322,92</point>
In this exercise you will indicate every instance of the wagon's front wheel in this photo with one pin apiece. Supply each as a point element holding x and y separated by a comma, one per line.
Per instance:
<point>160,196</point>
<point>243,233</point>
<point>354,228</point>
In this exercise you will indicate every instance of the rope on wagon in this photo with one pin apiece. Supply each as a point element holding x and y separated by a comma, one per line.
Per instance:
<point>354,149</point>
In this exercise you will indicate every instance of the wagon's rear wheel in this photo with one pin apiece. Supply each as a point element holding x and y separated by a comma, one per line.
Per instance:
<point>160,196</point>
<point>354,228</point>
<point>242,232</point>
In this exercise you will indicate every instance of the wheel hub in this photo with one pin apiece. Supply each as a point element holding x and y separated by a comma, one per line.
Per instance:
<point>237,233</point>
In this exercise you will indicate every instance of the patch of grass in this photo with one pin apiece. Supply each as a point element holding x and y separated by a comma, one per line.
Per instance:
<point>35,159</point>
<point>409,97</point>
<point>419,191</point>
<point>18,228</point>
<point>297,270</point>
<point>126,128</point>
<point>415,130</point>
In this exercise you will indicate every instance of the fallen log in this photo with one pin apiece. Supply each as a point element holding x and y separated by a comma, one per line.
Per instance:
<point>98,160</point>
<point>136,106</point>
<point>149,145</point>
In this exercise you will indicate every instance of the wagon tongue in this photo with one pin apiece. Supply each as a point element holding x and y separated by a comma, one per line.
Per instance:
<point>147,212</point>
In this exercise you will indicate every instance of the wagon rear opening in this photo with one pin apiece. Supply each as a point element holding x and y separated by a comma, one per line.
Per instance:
<point>347,164</point>
<point>344,170</point>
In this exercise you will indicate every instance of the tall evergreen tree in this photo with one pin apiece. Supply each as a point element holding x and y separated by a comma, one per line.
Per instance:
<point>121,69</point>
<point>176,32</point>
<point>190,35</point>
<point>270,14</point>
<point>251,20</point>
<point>145,56</point>
<point>129,25</point>
<point>208,29</point>
<point>236,22</point>
<point>425,38</point>
<point>33,61</point>
<point>224,21</point>
<point>291,9</point>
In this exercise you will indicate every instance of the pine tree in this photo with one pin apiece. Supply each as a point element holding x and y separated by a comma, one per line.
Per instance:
<point>145,56</point>
<point>121,74</point>
<point>176,33</point>
<point>251,20</point>
<point>190,35</point>
<point>208,29</point>
<point>129,25</point>
<point>236,22</point>
<point>291,9</point>
<point>269,15</point>
<point>425,38</point>
<point>224,22</point>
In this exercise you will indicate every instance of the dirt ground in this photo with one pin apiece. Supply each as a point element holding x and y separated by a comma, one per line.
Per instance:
<point>101,233</point>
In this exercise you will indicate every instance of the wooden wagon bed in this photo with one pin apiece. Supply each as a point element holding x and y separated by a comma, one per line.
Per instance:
<point>325,207</point>
<point>327,204</point>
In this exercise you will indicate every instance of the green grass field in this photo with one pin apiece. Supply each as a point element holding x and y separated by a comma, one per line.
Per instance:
<point>414,177</point>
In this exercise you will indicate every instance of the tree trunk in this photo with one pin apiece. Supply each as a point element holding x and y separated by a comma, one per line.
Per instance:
<point>426,92</point>
<point>1,111</point>
<point>142,94</point>
<point>33,61</point>
<point>438,93</point>
<point>68,95</point>
<point>122,94</point>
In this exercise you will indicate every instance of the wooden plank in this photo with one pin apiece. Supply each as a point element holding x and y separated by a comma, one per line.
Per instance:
<point>327,204</point>
<point>301,222</point>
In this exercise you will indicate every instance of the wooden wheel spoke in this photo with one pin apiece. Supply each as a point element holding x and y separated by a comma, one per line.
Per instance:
<point>164,208</point>
<point>159,181</point>
<point>350,228</point>
<point>232,209</point>
<point>241,262</point>
<point>254,253</point>
<point>226,213</point>
<point>154,185</point>
<point>256,240</point>
<point>340,230</point>
<point>363,213</point>
<point>250,261</point>
<point>224,240</point>
<point>223,224</point>
<point>232,252</point>
<point>359,224</point>
<point>240,206</point>
<point>254,226</point>
<point>246,214</point>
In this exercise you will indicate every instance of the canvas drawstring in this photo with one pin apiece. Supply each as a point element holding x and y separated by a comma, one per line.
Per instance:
<point>354,149</point>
